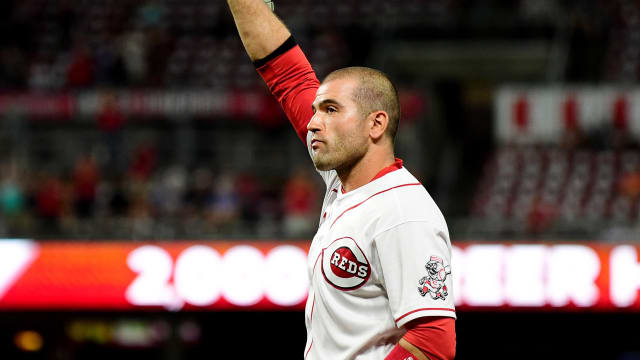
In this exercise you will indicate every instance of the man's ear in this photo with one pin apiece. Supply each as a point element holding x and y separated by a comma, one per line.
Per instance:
<point>378,120</point>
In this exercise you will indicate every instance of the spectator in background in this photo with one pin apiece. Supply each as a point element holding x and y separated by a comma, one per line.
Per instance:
<point>299,205</point>
<point>133,52</point>
<point>109,65</point>
<point>199,192</point>
<point>247,189</point>
<point>81,69</point>
<point>86,177</point>
<point>49,199</point>
<point>140,216</point>
<point>111,121</point>
<point>222,213</point>
<point>144,161</point>
<point>168,192</point>
<point>12,199</point>
<point>140,209</point>
<point>11,194</point>
<point>270,208</point>
<point>119,201</point>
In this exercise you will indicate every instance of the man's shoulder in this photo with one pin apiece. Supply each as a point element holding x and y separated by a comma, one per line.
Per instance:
<point>406,200</point>
<point>401,184</point>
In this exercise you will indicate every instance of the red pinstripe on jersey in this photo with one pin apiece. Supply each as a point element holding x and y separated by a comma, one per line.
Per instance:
<point>309,349</point>
<point>313,306</point>
<point>378,193</point>
<point>316,263</point>
<point>424,309</point>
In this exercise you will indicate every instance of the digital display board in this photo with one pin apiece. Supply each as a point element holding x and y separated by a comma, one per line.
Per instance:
<point>232,275</point>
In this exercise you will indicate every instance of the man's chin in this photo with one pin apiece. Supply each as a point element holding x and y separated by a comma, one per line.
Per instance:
<point>322,166</point>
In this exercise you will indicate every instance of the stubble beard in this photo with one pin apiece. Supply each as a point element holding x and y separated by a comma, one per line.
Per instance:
<point>339,155</point>
<point>323,161</point>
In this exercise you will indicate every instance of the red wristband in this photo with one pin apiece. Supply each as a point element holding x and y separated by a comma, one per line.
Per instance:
<point>400,353</point>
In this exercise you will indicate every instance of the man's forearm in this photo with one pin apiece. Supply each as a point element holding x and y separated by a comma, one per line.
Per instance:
<point>260,30</point>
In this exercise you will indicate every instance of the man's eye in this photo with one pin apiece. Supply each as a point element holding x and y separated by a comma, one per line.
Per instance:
<point>331,109</point>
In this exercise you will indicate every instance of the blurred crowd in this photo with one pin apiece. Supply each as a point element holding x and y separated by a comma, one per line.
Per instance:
<point>147,202</point>
<point>76,44</point>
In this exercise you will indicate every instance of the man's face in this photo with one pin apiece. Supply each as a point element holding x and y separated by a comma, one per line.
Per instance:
<point>340,135</point>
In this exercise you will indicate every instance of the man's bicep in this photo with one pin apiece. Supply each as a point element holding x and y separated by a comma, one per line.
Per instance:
<point>292,82</point>
<point>297,107</point>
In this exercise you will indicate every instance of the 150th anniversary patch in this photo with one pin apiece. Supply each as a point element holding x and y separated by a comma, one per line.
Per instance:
<point>344,264</point>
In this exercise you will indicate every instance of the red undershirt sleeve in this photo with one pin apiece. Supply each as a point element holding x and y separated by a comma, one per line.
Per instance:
<point>292,82</point>
<point>435,336</point>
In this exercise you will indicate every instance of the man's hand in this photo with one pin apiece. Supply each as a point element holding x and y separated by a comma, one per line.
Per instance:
<point>260,29</point>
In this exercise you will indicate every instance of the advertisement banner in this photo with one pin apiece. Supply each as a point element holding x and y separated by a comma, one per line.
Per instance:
<point>234,275</point>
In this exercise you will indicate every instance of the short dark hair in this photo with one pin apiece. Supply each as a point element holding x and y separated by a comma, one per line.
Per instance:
<point>374,92</point>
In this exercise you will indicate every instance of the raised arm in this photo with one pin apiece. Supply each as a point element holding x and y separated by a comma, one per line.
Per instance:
<point>278,59</point>
<point>260,29</point>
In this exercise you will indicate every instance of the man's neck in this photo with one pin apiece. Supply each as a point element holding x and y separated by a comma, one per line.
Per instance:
<point>365,169</point>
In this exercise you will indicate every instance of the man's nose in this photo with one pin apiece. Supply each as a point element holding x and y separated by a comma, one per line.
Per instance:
<point>314,124</point>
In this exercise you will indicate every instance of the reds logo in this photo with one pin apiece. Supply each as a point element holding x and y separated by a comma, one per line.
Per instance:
<point>344,264</point>
<point>433,283</point>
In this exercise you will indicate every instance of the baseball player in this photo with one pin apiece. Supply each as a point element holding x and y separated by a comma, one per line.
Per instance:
<point>379,264</point>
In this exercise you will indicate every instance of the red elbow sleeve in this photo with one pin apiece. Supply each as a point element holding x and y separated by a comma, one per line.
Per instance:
<point>435,336</point>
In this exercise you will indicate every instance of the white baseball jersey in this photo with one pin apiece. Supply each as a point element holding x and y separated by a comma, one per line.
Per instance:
<point>380,258</point>
<point>381,255</point>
